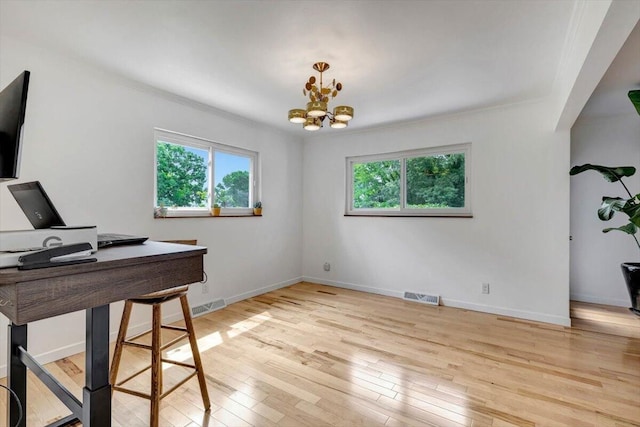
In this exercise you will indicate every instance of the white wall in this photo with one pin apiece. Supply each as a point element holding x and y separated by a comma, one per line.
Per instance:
<point>595,256</point>
<point>517,240</point>
<point>89,140</point>
<point>81,119</point>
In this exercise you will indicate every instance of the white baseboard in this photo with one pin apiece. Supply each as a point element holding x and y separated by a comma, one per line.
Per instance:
<point>263,290</point>
<point>521,314</point>
<point>354,287</point>
<point>600,300</point>
<point>502,311</point>
<point>71,349</point>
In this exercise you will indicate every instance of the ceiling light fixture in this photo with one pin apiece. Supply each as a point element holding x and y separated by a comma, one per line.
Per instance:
<point>313,117</point>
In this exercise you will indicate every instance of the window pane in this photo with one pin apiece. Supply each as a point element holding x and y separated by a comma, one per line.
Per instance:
<point>182,176</point>
<point>376,184</point>
<point>436,181</point>
<point>232,180</point>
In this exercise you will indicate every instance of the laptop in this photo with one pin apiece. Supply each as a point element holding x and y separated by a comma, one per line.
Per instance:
<point>41,213</point>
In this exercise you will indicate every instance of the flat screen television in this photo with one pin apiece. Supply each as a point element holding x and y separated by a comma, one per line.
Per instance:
<point>13,105</point>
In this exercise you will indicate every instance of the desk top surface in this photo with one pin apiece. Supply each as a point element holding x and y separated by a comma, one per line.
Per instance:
<point>121,272</point>
<point>118,256</point>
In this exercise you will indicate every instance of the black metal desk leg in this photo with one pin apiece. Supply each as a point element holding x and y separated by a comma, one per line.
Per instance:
<point>16,374</point>
<point>96,395</point>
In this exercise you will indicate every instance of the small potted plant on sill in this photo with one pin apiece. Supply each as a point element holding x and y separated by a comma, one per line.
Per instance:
<point>629,206</point>
<point>215,210</point>
<point>257,209</point>
<point>160,211</point>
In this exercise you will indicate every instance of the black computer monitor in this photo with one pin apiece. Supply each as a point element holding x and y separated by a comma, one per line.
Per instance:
<point>13,105</point>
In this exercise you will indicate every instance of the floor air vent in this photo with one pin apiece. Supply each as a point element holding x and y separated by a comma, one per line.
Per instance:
<point>423,298</point>
<point>208,307</point>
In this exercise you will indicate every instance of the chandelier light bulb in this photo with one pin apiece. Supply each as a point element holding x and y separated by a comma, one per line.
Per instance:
<point>316,109</point>
<point>312,123</point>
<point>343,113</point>
<point>297,115</point>
<point>338,124</point>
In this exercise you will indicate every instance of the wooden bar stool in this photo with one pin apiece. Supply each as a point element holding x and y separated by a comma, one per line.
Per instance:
<point>155,300</point>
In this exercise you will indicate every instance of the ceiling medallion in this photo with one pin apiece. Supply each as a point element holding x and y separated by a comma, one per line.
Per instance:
<point>313,117</point>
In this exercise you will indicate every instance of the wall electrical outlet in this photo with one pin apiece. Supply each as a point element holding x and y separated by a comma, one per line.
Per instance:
<point>485,288</point>
<point>327,266</point>
<point>205,288</point>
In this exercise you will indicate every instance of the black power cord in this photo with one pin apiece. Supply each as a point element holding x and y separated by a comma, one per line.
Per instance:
<point>15,396</point>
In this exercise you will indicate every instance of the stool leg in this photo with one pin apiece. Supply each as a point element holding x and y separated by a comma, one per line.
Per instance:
<point>156,365</point>
<point>196,353</point>
<point>122,333</point>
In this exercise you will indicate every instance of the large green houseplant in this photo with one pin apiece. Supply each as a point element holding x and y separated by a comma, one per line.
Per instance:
<point>629,206</point>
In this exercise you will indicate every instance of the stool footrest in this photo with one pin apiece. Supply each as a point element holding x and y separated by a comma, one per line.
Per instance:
<point>171,327</point>
<point>132,376</point>
<point>173,341</point>
<point>193,374</point>
<point>133,392</point>
<point>135,374</point>
<point>146,395</point>
<point>175,362</point>
<point>136,344</point>
<point>174,328</point>
<point>163,347</point>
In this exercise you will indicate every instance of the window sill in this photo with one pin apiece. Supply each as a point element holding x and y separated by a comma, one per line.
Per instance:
<point>380,215</point>
<point>206,216</point>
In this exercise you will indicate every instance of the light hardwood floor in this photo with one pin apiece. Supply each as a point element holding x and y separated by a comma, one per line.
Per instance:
<point>317,355</point>
<point>605,318</point>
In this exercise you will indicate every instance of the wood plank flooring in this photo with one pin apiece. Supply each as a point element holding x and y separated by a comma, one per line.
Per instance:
<point>315,355</point>
<point>605,318</point>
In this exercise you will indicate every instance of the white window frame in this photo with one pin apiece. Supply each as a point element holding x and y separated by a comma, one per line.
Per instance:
<point>402,156</point>
<point>212,147</point>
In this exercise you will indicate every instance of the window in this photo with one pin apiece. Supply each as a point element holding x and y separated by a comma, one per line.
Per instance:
<point>427,182</point>
<point>192,174</point>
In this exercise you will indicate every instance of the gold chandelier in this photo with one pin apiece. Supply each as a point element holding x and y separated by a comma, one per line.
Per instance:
<point>313,117</point>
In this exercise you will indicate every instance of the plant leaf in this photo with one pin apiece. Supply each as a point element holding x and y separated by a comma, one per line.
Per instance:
<point>610,205</point>
<point>634,96</point>
<point>629,228</point>
<point>611,174</point>
<point>632,208</point>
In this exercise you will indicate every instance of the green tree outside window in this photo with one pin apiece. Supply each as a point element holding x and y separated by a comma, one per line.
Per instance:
<point>233,191</point>
<point>181,177</point>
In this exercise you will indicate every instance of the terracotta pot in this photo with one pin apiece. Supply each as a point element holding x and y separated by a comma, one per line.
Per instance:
<point>257,211</point>
<point>631,273</point>
<point>215,211</point>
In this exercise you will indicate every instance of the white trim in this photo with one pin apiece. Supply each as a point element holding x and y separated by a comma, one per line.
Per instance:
<point>402,157</point>
<point>263,290</point>
<point>521,314</point>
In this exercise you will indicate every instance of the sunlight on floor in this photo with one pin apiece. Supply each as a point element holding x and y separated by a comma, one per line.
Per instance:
<point>183,352</point>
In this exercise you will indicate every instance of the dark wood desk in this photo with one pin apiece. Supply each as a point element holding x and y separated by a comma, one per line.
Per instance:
<point>120,273</point>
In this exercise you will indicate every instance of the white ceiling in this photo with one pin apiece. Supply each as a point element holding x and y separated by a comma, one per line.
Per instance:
<point>397,60</point>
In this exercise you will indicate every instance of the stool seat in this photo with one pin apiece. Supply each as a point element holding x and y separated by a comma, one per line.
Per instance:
<point>155,300</point>
<point>161,296</point>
